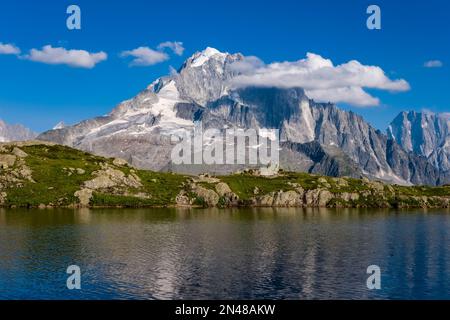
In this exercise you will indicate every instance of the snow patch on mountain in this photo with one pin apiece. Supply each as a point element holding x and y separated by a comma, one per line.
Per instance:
<point>316,137</point>
<point>59,125</point>
<point>202,57</point>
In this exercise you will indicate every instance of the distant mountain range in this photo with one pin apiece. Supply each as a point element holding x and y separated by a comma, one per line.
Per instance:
<point>315,137</point>
<point>15,132</point>
<point>424,133</point>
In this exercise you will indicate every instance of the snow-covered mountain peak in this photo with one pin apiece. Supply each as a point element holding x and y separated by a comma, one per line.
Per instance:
<point>59,125</point>
<point>199,58</point>
<point>316,137</point>
<point>203,77</point>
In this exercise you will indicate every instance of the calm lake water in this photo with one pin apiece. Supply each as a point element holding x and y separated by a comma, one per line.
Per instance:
<point>224,254</point>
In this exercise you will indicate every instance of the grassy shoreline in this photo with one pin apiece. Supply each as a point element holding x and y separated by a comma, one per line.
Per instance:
<point>47,175</point>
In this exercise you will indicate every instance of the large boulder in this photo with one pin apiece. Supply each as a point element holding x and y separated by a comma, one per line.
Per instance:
<point>223,189</point>
<point>266,200</point>
<point>84,197</point>
<point>182,199</point>
<point>317,197</point>
<point>19,153</point>
<point>7,160</point>
<point>209,196</point>
<point>109,177</point>
<point>288,199</point>
<point>349,196</point>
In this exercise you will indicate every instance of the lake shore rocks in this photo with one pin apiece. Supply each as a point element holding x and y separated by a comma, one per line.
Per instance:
<point>36,174</point>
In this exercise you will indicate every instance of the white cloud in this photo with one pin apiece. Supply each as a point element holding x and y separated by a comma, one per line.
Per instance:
<point>144,56</point>
<point>7,48</point>
<point>176,47</point>
<point>247,65</point>
<point>352,95</point>
<point>73,58</point>
<point>433,64</point>
<point>321,80</point>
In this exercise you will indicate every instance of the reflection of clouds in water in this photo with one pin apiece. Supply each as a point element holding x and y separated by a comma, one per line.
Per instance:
<point>135,260</point>
<point>237,253</point>
<point>309,272</point>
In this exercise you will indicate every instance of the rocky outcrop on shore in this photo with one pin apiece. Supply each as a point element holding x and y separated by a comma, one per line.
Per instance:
<point>374,194</point>
<point>14,171</point>
<point>36,174</point>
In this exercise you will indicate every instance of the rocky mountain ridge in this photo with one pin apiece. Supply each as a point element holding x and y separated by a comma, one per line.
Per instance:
<point>140,130</point>
<point>15,132</point>
<point>424,133</point>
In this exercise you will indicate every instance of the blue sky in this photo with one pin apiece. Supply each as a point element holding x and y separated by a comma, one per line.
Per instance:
<point>39,95</point>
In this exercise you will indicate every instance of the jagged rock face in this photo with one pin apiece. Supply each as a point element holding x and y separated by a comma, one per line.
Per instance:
<point>204,76</point>
<point>424,133</point>
<point>319,159</point>
<point>327,139</point>
<point>15,132</point>
<point>316,137</point>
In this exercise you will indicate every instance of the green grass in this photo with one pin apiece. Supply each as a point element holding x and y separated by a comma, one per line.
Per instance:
<point>53,184</point>
<point>110,200</point>
<point>163,187</point>
<point>207,185</point>
<point>244,185</point>
<point>424,190</point>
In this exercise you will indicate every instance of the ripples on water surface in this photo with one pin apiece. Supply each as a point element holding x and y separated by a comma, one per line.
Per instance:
<point>224,254</point>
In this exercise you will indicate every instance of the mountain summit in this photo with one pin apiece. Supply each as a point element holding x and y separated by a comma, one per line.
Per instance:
<point>315,137</point>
